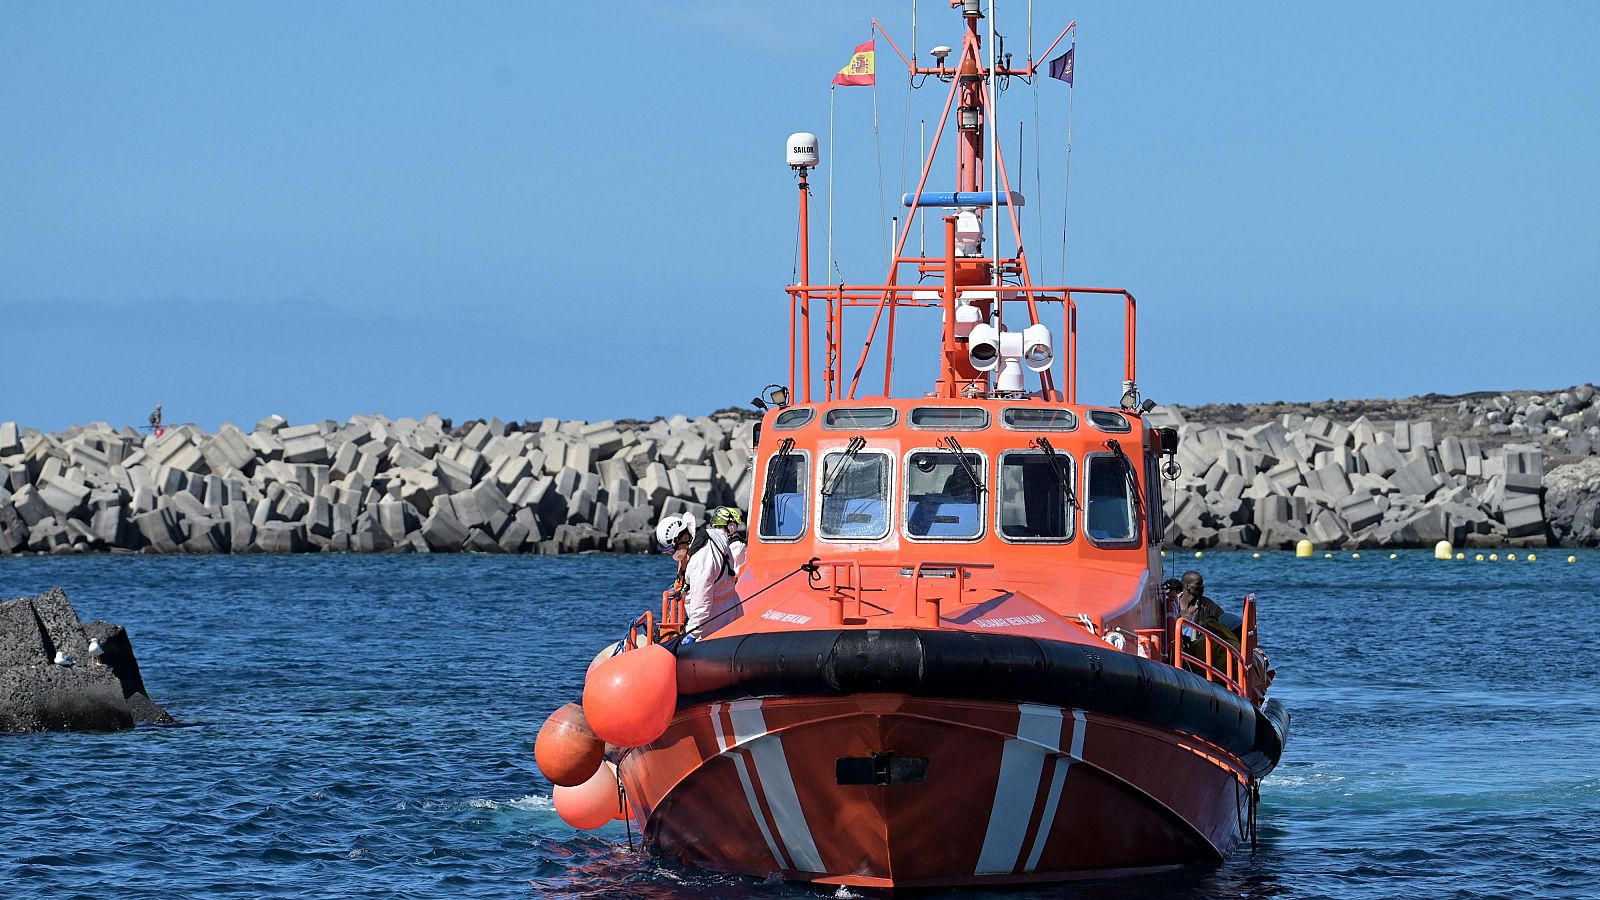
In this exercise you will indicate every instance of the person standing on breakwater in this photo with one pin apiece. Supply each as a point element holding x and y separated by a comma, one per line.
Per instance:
<point>714,561</point>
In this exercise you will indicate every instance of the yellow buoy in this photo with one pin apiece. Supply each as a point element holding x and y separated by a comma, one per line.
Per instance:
<point>1303,549</point>
<point>1394,556</point>
<point>1461,556</point>
<point>1255,556</point>
<point>1443,550</point>
<point>1572,559</point>
<point>1199,553</point>
<point>1494,557</point>
<point>1355,556</point>
<point>1532,557</point>
<point>1479,557</point>
<point>1163,554</point>
<point>1511,557</point>
<point>1327,556</point>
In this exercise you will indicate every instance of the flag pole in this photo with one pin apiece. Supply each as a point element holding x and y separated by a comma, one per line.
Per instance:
<point>1066,186</point>
<point>828,272</point>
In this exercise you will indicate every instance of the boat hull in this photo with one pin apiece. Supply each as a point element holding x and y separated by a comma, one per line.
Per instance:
<point>891,790</point>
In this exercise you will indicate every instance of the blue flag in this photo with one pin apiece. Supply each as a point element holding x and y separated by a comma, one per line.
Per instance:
<point>1061,66</point>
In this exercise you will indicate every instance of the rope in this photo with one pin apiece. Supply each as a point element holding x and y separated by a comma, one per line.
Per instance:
<point>808,566</point>
<point>622,804</point>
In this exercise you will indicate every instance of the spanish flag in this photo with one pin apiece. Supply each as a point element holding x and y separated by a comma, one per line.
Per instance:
<point>861,67</point>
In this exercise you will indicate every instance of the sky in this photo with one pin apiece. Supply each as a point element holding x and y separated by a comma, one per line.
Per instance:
<point>582,210</point>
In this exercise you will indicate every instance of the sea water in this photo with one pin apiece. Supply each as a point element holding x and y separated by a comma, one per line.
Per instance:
<point>363,726</point>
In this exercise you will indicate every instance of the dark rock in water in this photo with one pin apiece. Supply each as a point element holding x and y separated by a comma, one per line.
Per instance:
<point>38,694</point>
<point>117,655</point>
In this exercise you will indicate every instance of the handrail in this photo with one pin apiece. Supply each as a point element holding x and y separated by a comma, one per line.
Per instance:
<point>1231,673</point>
<point>673,613</point>
<point>926,612</point>
<point>894,295</point>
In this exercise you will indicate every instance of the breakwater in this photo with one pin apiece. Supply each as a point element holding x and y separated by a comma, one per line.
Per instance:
<point>369,484</point>
<point>1491,473</point>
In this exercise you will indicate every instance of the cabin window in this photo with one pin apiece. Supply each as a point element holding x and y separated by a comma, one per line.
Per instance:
<point>1157,519</point>
<point>1106,420</point>
<point>943,500</point>
<point>783,501</point>
<point>1038,418</point>
<point>1110,516</point>
<point>1036,496</point>
<point>859,417</point>
<point>855,498</point>
<point>950,418</point>
<point>794,418</point>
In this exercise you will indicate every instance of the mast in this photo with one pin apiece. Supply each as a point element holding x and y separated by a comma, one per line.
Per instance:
<point>979,355</point>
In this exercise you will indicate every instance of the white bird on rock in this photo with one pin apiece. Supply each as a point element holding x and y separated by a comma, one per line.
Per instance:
<point>95,650</point>
<point>62,659</point>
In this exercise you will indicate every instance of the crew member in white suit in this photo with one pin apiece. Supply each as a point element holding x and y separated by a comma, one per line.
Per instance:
<point>714,563</point>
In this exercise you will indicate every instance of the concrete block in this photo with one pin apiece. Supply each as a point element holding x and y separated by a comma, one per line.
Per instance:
<point>319,518</point>
<point>281,537</point>
<point>1402,435</point>
<point>511,470</point>
<point>66,498</point>
<point>305,448</point>
<point>1328,530</point>
<point>1422,435</point>
<point>395,520</point>
<point>1359,511</point>
<point>613,470</point>
<point>241,533</point>
<point>30,506</point>
<point>1522,515</point>
<point>580,455</point>
<point>185,505</point>
<point>477,437</point>
<point>490,499</point>
<point>480,542</point>
<point>110,526</point>
<point>442,530</point>
<point>530,520</point>
<point>10,439</point>
<point>453,476</point>
<point>1331,480</point>
<point>1414,479</point>
<point>158,530</point>
<point>514,538</point>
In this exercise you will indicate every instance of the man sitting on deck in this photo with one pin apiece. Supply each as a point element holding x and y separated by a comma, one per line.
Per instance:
<point>1196,607</point>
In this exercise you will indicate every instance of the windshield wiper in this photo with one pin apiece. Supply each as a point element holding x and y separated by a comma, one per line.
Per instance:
<point>1055,469</point>
<point>778,459</point>
<point>1127,468</point>
<point>850,451</point>
<point>966,464</point>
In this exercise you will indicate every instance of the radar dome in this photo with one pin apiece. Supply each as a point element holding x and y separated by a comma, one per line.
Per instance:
<point>803,149</point>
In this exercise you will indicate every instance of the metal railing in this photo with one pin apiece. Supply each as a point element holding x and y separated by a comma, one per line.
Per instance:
<point>847,589</point>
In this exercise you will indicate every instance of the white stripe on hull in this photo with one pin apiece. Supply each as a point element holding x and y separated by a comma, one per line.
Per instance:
<point>1021,767</point>
<point>1053,800</point>
<point>749,788</point>
<point>777,782</point>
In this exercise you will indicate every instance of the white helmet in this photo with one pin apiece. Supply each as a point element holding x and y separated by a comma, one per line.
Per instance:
<point>668,529</point>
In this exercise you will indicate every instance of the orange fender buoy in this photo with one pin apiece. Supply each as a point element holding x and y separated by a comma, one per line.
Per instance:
<point>566,750</point>
<point>629,699</point>
<point>591,804</point>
